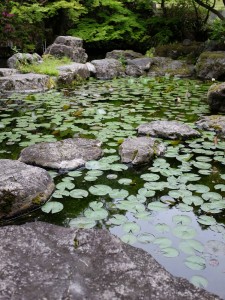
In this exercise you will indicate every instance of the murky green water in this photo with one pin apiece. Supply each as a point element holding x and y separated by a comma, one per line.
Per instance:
<point>173,208</point>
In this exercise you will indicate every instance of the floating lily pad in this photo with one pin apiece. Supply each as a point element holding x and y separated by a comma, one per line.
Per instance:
<point>97,214</point>
<point>131,227</point>
<point>52,206</point>
<point>78,193</point>
<point>162,227</point>
<point>100,189</point>
<point>162,242</point>
<point>146,238</point>
<point>170,252</point>
<point>82,222</point>
<point>118,219</point>
<point>157,206</point>
<point>182,219</point>
<point>199,281</point>
<point>184,232</point>
<point>125,181</point>
<point>206,220</point>
<point>195,262</point>
<point>150,177</point>
<point>190,246</point>
<point>129,238</point>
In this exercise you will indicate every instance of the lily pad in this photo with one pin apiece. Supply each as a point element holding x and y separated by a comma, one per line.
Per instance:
<point>100,189</point>
<point>52,206</point>
<point>184,232</point>
<point>131,227</point>
<point>199,281</point>
<point>129,238</point>
<point>170,252</point>
<point>146,238</point>
<point>190,246</point>
<point>82,222</point>
<point>206,220</point>
<point>157,206</point>
<point>78,193</point>
<point>195,262</point>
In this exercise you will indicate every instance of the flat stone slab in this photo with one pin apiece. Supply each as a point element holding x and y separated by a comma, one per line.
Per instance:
<point>213,122</point>
<point>7,72</point>
<point>68,154</point>
<point>216,97</point>
<point>22,187</point>
<point>44,261</point>
<point>140,150</point>
<point>168,129</point>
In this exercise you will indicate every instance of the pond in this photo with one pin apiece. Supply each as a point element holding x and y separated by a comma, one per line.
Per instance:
<point>173,208</point>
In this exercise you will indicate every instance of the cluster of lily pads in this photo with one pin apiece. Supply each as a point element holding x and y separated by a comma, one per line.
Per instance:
<point>165,207</point>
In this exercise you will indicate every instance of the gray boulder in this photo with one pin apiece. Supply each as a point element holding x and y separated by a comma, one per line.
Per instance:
<point>161,66</point>
<point>68,154</point>
<point>216,97</point>
<point>68,46</point>
<point>52,262</point>
<point>23,58</point>
<point>213,122</point>
<point>168,129</point>
<point>123,55</point>
<point>139,150</point>
<point>211,65</point>
<point>133,70</point>
<point>108,68</point>
<point>74,71</point>
<point>143,63</point>
<point>7,72</point>
<point>25,83</point>
<point>22,187</point>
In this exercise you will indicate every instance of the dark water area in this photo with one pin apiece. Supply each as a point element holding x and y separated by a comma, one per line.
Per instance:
<point>3,63</point>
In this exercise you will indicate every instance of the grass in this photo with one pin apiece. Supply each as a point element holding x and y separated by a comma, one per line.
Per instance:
<point>47,67</point>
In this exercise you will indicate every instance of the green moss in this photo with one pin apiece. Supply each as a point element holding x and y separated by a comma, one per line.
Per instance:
<point>38,199</point>
<point>7,199</point>
<point>212,55</point>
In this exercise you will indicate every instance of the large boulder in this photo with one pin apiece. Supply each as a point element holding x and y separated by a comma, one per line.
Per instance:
<point>44,261</point>
<point>123,55</point>
<point>22,187</point>
<point>140,150</point>
<point>211,65</point>
<point>134,71</point>
<point>216,97</point>
<point>108,68</point>
<point>74,71</point>
<point>168,129</point>
<point>143,63</point>
<point>7,72</point>
<point>23,58</point>
<point>68,46</point>
<point>68,154</point>
<point>25,83</point>
<point>213,122</point>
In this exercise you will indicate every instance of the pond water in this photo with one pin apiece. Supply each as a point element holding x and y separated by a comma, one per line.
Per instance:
<point>173,208</point>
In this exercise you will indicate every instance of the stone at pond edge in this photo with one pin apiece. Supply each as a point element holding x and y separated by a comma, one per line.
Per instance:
<point>168,129</point>
<point>216,97</point>
<point>23,58</point>
<point>108,68</point>
<point>68,154</point>
<point>123,54</point>
<point>140,150</point>
<point>213,122</point>
<point>63,263</point>
<point>22,187</point>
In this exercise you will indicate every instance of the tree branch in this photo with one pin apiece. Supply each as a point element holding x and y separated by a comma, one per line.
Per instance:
<point>210,8</point>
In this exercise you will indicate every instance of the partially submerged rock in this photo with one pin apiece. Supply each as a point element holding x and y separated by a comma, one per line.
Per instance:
<point>23,58</point>
<point>134,70</point>
<point>29,82</point>
<point>216,97</point>
<point>168,129</point>
<point>108,68</point>
<point>140,150</point>
<point>22,187</point>
<point>63,263</point>
<point>143,63</point>
<point>213,122</point>
<point>123,54</point>
<point>68,154</point>
<point>74,71</point>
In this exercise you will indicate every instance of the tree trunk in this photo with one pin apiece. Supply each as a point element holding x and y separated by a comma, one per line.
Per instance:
<point>211,9</point>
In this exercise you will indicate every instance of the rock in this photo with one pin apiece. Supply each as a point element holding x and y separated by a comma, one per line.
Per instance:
<point>23,58</point>
<point>91,68</point>
<point>164,65</point>
<point>7,72</point>
<point>168,129</point>
<point>142,63</point>
<point>22,187</point>
<point>68,46</point>
<point>123,54</point>
<point>25,83</point>
<point>74,71</point>
<point>45,261</point>
<point>68,154</point>
<point>133,70</point>
<point>140,150</point>
<point>108,68</point>
<point>216,97</point>
<point>213,122</point>
<point>211,65</point>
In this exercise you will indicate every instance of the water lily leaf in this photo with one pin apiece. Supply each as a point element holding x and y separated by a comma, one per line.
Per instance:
<point>212,196</point>
<point>220,187</point>
<point>143,215</point>
<point>196,200</point>
<point>95,205</point>
<point>146,193</point>
<point>90,178</point>
<point>167,199</point>
<point>125,181</point>
<point>157,206</point>
<point>184,232</point>
<point>206,220</point>
<point>195,262</point>
<point>137,198</point>
<point>75,173</point>
<point>129,238</point>
<point>162,227</point>
<point>170,252</point>
<point>78,193</point>
<point>97,165</point>
<point>155,186</point>
<point>112,176</point>
<point>118,194</point>
<point>118,219</point>
<point>82,222</point>
<point>190,246</point>
<point>178,194</point>
<point>97,214</point>
<point>162,242</point>
<point>199,281</point>
<point>222,176</point>
<point>52,206</point>
<point>198,188</point>
<point>214,208</point>
<point>100,189</point>
<point>150,177</point>
<point>118,167</point>
<point>182,219</point>
<point>146,238</point>
<point>94,173</point>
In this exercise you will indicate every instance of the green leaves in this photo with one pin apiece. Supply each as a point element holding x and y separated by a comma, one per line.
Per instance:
<point>52,207</point>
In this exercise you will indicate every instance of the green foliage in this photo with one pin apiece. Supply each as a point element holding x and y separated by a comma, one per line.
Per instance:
<point>217,30</point>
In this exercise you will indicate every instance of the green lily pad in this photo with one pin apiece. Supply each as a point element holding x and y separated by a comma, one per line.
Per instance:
<point>190,246</point>
<point>129,238</point>
<point>182,219</point>
<point>118,219</point>
<point>195,262</point>
<point>157,206</point>
<point>97,214</point>
<point>162,242</point>
<point>146,238</point>
<point>170,252</point>
<point>82,222</point>
<point>100,189</point>
<point>118,194</point>
<point>131,227</point>
<point>150,177</point>
<point>52,206</point>
<point>78,193</point>
<point>206,220</point>
<point>199,281</point>
<point>162,227</point>
<point>184,232</point>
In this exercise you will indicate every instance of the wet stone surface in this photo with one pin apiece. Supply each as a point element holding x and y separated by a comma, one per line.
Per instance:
<point>213,122</point>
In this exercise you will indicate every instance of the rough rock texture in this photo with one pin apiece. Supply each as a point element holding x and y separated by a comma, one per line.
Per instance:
<point>143,63</point>
<point>216,97</point>
<point>7,72</point>
<point>165,65</point>
<point>140,150</point>
<point>25,82</point>
<point>123,54</point>
<point>23,58</point>
<point>68,46</point>
<point>44,261</point>
<point>22,187</point>
<point>211,65</point>
<point>71,72</point>
<point>108,68</point>
<point>68,154</point>
<point>168,129</point>
<point>133,70</point>
<point>213,122</point>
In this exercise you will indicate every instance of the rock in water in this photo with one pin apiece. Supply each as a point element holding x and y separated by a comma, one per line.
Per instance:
<point>140,150</point>
<point>213,122</point>
<point>22,187</point>
<point>216,97</point>
<point>108,68</point>
<point>168,129</point>
<point>44,261</point>
<point>68,154</point>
